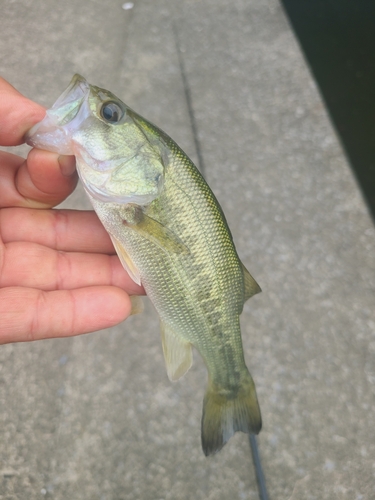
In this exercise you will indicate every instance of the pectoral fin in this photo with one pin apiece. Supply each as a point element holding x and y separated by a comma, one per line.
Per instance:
<point>126,261</point>
<point>177,353</point>
<point>251,286</point>
<point>159,234</point>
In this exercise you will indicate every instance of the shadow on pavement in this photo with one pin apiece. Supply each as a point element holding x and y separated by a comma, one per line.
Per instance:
<point>338,40</point>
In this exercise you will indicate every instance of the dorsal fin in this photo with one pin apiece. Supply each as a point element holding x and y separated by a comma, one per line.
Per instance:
<point>251,286</point>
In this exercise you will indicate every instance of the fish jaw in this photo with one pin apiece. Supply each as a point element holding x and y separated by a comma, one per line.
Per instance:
<point>55,131</point>
<point>115,162</point>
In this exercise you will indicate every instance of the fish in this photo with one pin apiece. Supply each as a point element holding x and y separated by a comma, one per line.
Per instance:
<point>171,236</point>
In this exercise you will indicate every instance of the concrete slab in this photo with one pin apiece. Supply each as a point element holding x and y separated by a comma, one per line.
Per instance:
<point>95,416</point>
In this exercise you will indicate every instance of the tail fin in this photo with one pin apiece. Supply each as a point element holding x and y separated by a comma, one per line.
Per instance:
<point>225,414</point>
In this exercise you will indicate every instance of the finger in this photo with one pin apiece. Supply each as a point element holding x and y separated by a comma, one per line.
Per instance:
<point>28,314</point>
<point>37,182</point>
<point>68,230</point>
<point>34,266</point>
<point>18,114</point>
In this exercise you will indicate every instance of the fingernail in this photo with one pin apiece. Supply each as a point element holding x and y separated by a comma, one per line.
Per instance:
<point>67,165</point>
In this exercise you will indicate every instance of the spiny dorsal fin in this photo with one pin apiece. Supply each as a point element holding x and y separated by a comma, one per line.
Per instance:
<point>177,353</point>
<point>251,286</point>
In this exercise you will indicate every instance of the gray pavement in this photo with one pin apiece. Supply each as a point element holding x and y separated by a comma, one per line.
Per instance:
<point>95,417</point>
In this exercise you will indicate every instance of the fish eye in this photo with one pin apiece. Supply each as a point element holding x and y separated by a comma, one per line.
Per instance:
<point>112,112</point>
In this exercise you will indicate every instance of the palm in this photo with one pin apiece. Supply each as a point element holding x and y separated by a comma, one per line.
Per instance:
<point>58,272</point>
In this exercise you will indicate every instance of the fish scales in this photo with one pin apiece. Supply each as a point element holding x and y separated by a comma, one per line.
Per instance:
<point>171,235</point>
<point>196,274</point>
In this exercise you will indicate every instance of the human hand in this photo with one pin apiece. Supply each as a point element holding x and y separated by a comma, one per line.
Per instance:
<point>58,272</point>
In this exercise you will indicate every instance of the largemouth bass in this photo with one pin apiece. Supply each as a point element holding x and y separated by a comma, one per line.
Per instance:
<point>171,235</point>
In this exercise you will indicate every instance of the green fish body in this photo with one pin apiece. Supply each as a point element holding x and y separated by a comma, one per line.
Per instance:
<point>171,235</point>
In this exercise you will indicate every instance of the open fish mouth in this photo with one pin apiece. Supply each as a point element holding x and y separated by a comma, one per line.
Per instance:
<point>67,113</point>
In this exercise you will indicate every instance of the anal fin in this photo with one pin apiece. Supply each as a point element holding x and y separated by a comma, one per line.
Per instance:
<point>177,353</point>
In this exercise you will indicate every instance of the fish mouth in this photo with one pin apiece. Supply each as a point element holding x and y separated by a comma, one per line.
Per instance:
<point>67,113</point>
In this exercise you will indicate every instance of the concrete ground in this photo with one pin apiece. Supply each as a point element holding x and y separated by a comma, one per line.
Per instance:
<point>95,417</point>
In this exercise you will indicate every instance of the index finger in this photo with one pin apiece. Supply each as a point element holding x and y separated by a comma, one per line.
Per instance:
<point>66,230</point>
<point>18,114</point>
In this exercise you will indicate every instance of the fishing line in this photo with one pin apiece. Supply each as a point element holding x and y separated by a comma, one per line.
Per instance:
<point>189,103</point>
<point>262,490</point>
